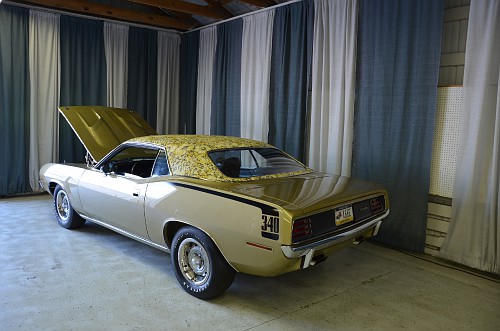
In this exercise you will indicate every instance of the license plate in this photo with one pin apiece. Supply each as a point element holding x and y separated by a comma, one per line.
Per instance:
<point>343,215</point>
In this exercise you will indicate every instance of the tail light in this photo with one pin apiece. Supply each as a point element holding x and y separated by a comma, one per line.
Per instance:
<point>377,204</point>
<point>301,229</point>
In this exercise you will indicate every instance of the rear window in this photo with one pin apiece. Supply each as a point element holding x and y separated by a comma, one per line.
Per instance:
<point>254,162</point>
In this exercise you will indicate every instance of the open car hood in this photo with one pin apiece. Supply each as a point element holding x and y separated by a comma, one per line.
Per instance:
<point>100,129</point>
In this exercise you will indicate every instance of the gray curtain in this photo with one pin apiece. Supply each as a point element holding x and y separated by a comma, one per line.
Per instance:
<point>142,73</point>
<point>290,72</point>
<point>226,103</point>
<point>474,234</point>
<point>83,77</point>
<point>188,82</point>
<point>396,89</point>
<point>14,100</point>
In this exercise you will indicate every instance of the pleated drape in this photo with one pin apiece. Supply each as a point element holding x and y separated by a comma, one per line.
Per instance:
<point>289,80</point>
<point>83,77</point>
<point>398,49</point>
<point>143,73</point>
<point>255,74</point>
<point>116,49</point>
<point>473,238</point>
<point>188,82</point>
<point>207,47</point>
<point>226,99</point>
<point>333,81</point>
<point>167,120</point>
<point>14,100</point>
<point>44,92</point>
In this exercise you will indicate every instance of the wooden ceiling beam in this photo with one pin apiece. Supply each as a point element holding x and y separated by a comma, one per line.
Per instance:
<point>260,3</point>
<point>182,16</point>
<point>186,7</point>
<point>219,6</point>
<point>185,18</point>
<point>115,13</point>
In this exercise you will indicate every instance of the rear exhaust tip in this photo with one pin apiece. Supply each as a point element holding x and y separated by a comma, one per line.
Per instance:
<point>318,259</point>
<point>358,240</point>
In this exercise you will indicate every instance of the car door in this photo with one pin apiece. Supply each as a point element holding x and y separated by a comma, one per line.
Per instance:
<point>115,192</point>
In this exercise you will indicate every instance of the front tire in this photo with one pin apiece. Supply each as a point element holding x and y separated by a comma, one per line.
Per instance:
<point>66,216</point>
<point>199,266</point>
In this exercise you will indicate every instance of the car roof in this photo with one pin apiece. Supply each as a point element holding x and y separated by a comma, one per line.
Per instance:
<point>188,154</point>
<point>200,143</point>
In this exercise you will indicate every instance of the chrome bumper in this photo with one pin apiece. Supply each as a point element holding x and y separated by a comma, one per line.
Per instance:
<point>309,249</point>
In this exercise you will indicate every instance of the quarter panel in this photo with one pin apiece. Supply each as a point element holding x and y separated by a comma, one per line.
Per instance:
<point>233,225</point>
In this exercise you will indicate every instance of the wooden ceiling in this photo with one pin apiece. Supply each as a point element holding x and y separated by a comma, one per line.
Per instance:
<point>181,15</point>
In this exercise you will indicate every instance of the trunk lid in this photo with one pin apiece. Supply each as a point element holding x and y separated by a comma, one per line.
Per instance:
<point>308,193</point>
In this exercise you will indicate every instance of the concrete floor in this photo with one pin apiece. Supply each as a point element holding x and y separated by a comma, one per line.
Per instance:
<point>92,278</point>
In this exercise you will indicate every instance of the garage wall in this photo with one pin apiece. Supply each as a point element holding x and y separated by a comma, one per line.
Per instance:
<point>455,21</point>
<point>447,128</point>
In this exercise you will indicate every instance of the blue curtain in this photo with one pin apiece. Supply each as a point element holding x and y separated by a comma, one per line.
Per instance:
<point>14,100</point>
<point>188,82</point>
<point>290,72</point>
<point>396,88</point>
<point>142,73</point>
<point>83,77</point>
<point>226,107</point>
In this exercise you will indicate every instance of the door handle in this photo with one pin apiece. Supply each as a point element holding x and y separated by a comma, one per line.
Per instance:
<point>136,193</point>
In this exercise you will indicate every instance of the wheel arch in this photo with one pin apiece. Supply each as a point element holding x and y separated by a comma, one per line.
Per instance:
<point>52,186</point>
<point>173,226</point>
<point>170,229</point>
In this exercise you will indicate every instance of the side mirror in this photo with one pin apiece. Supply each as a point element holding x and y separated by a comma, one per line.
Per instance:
<point>107,168</point>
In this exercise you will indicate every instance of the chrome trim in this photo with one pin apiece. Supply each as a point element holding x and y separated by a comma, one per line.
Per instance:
<point>128,234</point>
<point>309,249</point>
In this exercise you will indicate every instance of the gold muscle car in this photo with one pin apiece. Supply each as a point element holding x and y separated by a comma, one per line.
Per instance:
<point>219,205</point>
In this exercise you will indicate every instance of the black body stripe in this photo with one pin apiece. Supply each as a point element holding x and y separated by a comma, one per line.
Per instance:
<point>266,209</point>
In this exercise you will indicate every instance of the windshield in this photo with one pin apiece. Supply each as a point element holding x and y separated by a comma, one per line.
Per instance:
<point>254,162</point>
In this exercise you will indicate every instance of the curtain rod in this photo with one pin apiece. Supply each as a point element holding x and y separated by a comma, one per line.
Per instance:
<point>141,25</point>
<point>244,15</point>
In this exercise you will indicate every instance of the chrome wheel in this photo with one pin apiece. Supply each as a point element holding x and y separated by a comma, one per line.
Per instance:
<point>198,264</point>
<point>62,205</point>
<point>193,261</point>
<point>65,214</point>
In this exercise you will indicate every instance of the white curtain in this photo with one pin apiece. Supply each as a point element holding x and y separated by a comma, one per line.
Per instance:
<point>255,74</point>
<point>207,47</point>
<point>116,50</point>
<point>333,81</point>
<point>44,67</point>
<point>167,119</point>
<point>474,235</point>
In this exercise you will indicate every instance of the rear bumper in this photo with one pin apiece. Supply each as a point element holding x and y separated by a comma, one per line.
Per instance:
<point>307,251</point>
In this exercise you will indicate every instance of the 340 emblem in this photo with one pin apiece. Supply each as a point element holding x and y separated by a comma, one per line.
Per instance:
<point>270,227</point>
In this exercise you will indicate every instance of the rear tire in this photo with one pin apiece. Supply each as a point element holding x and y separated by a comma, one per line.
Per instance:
<point>66,216</point>
<point>198,264</point>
